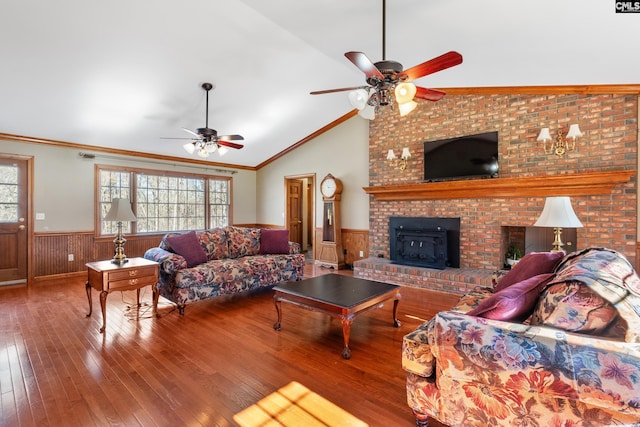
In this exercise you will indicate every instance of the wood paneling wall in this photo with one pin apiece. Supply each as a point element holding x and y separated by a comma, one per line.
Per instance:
<point>51,250</point>
<point>353,241</point>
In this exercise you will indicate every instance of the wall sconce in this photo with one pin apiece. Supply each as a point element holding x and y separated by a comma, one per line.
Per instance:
<point>400,163</point>
<point>562,144</point>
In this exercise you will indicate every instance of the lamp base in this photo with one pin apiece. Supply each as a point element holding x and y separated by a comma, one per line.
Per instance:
<point>119,258</point>
<point>557,243</point>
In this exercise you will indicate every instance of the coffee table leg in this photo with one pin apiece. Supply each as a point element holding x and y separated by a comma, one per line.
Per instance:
<point>396,322</point>
<point>277,303</point>
<point>346,333</point>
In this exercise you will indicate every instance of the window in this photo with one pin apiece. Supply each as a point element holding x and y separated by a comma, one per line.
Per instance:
<point>8,193</point>
<point>164,202</point>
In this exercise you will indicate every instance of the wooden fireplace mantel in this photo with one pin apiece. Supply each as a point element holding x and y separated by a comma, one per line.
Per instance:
<point>581,184</point>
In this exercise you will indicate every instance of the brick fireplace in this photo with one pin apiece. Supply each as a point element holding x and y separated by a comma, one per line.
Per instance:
<point>486,207</point>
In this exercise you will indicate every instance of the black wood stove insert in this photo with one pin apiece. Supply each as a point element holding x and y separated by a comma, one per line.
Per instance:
<point>429,242</point>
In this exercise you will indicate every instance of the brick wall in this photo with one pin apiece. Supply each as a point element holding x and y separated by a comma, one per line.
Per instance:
<point>610,141</point>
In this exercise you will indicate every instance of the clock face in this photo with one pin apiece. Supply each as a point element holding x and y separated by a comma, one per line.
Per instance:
<point>328,187</point>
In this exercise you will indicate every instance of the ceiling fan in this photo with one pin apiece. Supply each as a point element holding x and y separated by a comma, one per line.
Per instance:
<point>386,76</point>
<point>206,140</point>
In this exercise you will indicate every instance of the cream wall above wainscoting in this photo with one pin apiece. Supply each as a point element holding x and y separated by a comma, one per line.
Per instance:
<point>64,182</point>
<point>342,151</point>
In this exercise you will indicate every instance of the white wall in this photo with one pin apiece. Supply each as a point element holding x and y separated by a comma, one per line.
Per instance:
<point>64,182</point>
<point>63,187</point>
<point>342,151</point>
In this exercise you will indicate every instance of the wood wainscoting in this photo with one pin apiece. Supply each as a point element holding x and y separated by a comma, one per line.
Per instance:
<point>51,250</point>
<point>353,242</point>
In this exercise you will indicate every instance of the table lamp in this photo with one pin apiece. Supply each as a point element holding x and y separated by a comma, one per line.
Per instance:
<point>120,211</point>
<point>558,213</point>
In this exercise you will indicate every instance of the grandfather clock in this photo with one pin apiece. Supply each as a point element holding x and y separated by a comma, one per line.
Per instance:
<point>329,251</point>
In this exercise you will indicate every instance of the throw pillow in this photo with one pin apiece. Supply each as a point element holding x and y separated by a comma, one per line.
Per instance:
<point>515,302</point>
<point>188,246</point>
<point>273,241</point>
<point>530,265</point>
<point>572,306</point>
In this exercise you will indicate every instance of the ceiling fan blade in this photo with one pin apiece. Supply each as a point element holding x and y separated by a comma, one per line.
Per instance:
<point>321,92</point>
<point>428,94</point>
<point>230,144</point>
<point>231,137</point>
<point>365,65</point>
<point>191,132</point>
<point>442,62</point>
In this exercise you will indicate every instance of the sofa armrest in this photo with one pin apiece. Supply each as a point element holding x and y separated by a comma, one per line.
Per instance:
<point>294,248</point>
<point>514,357</point>
<point>170,262</point>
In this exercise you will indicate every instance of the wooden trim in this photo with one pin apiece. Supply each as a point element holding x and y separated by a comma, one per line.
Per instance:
<point>308,138</point>
<point>545,90</point>
<point>534,186</point>
<point>117,151</point>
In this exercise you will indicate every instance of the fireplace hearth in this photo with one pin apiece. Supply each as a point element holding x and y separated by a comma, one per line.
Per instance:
<point>425,241</point>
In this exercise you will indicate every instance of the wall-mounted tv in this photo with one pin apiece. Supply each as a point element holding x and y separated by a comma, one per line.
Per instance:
<point>462,157</point>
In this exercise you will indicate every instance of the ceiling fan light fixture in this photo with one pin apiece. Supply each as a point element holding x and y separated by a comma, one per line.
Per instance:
<point>368,112</point>
<point>222,150</point>
<point>202,152</point>
<point>210,147</point>
<point>189,147</point>
<point>407,107</point>
<point>405,92</point>
<point>358,98</point>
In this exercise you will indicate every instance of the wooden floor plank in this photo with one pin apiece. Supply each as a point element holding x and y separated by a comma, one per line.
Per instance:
<point>199,369</point>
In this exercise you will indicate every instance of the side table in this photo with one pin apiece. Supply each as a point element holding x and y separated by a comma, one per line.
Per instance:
<point>105,276</point>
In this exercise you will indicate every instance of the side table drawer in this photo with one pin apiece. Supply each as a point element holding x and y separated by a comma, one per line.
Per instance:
<point>133,273</point>
<point>134,283</point>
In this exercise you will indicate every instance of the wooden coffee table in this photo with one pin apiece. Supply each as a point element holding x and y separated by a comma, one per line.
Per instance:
<point>339,296</point>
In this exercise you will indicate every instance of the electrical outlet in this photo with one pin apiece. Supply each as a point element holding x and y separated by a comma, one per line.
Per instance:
<point>40,216</point>
<point>361,254</point>
<point>70,257</point>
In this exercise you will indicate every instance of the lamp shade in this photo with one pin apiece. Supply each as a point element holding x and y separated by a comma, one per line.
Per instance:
<point>405,92</point>
<point>405,153</point>
<point>544,135</point>
<point>368,112</point>
<point>358,98</point>
<point>557,212</point>
<point>189,147</point>
<point>574,131</point>
<point>120,211</point>
<point>391,155</point>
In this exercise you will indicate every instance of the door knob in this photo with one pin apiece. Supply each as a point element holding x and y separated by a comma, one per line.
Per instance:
<point>21,227</point>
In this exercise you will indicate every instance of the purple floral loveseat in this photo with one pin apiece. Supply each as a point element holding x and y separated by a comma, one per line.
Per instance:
<point>555,343</point>
<point>204,264</point>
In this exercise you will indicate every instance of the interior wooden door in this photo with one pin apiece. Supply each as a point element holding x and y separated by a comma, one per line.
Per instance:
<point>294,209</point>
<point>13,220</point>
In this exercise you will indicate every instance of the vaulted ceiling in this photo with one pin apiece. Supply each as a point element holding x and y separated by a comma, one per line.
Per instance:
<point>125,73</point>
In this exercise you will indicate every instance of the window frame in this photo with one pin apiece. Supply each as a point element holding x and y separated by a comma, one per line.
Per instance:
<point>133,174</point>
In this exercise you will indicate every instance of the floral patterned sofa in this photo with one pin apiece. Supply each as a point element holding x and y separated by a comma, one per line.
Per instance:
<point>204,264</point>
<point>562,349</point>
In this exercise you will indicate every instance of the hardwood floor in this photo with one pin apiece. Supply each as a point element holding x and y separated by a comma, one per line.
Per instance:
<point>199,369</point>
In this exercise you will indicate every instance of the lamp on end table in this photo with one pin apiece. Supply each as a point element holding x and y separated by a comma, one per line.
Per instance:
<point>120,211</point>
<point>558,213</point>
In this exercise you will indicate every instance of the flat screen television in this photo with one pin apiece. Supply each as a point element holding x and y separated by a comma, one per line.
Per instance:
<point>462,157</point>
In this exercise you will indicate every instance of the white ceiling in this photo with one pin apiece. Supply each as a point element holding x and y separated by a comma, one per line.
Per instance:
<point>124,73</point>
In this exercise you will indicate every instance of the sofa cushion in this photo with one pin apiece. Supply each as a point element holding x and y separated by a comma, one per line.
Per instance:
<point>188,246</point>
<point>215,243</point>
<point>572,306</point>
<point>515,302</point>
<point>243,241</point>
<point>530,265</point>
<point>274,241</point>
